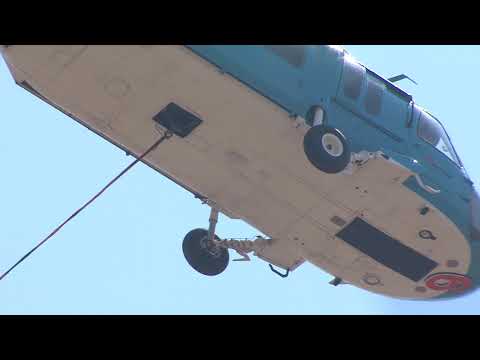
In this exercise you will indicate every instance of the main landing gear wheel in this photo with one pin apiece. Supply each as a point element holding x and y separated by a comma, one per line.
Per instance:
<point>327,149</point>
<point>203,255</point>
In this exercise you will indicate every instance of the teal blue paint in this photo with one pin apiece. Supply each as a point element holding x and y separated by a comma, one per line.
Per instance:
<point>394,130</point>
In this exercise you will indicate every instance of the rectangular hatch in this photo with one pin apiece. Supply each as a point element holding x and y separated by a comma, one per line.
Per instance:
<point>387,250</point>
<point>177,120</point>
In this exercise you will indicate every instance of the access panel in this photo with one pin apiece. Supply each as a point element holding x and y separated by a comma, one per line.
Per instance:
<point>387,250</point>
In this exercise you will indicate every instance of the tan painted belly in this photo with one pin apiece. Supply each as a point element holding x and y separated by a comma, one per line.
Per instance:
<point>247,156</point>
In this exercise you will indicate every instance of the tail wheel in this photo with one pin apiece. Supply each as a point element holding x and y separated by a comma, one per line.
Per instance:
<point>204,256</point>
<point>327,149</point>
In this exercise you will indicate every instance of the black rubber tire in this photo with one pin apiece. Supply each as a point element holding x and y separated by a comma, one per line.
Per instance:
<point>200,258</point>
<point>318,155</point>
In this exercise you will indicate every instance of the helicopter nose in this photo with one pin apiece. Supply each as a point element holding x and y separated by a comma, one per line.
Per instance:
<point>475,209</point>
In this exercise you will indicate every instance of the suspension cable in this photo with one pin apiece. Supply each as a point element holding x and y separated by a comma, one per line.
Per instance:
<point>165,136</point>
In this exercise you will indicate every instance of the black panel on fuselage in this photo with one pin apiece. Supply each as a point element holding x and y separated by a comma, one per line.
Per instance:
<point>387,250</point>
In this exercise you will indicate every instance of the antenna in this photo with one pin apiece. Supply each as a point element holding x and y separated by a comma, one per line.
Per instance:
<point>401,77</point>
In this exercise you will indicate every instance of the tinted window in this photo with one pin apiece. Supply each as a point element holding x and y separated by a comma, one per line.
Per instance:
<point>373,99</point>
<point>430,130</point>
<point>293,54</point>
<point>353,75</point>
<point>476,216</point>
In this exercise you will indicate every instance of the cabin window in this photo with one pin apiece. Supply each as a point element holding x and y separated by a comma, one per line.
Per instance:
<point>293,54</point>
<point>430,130</point>
<point>475,209</point>
<point>373,98</point>
<point>353,75</point>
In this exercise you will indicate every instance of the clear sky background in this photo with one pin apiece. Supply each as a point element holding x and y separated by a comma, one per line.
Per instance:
<point>123,255</point>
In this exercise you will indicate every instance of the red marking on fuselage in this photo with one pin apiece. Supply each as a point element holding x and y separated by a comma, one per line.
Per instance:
<point>450,282</point>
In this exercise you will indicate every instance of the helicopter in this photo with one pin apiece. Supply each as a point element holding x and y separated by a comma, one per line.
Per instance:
<point>336,165</point>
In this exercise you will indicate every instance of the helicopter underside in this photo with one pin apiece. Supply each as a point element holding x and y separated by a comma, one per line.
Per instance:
<point>247,157</point>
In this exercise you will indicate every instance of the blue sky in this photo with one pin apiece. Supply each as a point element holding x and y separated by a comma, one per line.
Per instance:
<point>123,254</point>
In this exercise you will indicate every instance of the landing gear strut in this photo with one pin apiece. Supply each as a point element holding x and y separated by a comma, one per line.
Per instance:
<point>208,254</point>
<point>202,251</point>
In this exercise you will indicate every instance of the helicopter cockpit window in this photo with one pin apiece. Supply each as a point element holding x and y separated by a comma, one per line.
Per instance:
<point>353,75</point>
<point>293,54</point>
<point>430,130</point>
